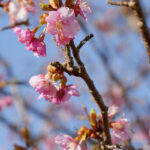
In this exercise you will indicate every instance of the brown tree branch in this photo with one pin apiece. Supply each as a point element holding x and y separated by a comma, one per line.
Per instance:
<point>141,22</point>
<point>69,59</point>
<point>94,92</point>
<point>81,72</point>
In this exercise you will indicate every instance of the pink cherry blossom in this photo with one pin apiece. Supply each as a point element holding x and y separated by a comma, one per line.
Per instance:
<point>38,47</point>
<point>112,111</point>
<point>50,91</point>
<point>64,94</point>
<point>62,23</point>
<point>121,131</point>
<point>44,86</point>
<point>24,36</point>
<point>67,142</point>
<point>82,7</point>
<point>5,101</point>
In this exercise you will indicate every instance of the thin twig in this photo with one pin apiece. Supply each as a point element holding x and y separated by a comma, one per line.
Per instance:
<point>66,69</point>
<point>87,38</point>
<point>127,4</point>
<point>86,112</point>
<point>26,22</point>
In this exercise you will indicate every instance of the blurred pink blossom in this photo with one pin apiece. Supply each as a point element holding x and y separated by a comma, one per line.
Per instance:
<point>67,142</point>
<point>62,23</point>
<point>5,101</point>
<point>121,131</point>
<point>31,8</point>
<point>22,14</point>
<point>116,94</point>
<point>49,143</point>
<point>140,136</point>
<point>112,111</point>
<point>17,12</point>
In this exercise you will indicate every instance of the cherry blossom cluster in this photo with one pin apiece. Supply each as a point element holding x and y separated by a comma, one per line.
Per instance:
<point>47,87</point>
<point>18,9</point>
<point>61,22</point>
<point>120,131</point>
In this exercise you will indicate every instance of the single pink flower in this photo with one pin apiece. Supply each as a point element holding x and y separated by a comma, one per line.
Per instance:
<point>50,91</point>
<point>121,131</point>
<point>43,85</point>
<point>82,7</point>
<point>62,23</point>
<point>112,111</point>
<point>24,36</point>
<point>38,47</point>
<point>64,94</point>
<point>67,142</point>
<point>5,101</point>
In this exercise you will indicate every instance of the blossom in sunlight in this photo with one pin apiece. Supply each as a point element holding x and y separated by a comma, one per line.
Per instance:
<point>13,7</point>
<point>17,11</point>
<point>82,7</point>
<point>121,131</point>
<point>38,47</point>
<point>67,142</point>
<point>24,36</point>
<point>44,86</point>
<point>112,111</point>
<point>22,14</point>
<point>62,23</point>
<point>5,101</point>
<point>64,94</point>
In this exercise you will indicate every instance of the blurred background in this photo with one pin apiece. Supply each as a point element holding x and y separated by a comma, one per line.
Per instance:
<point>115,59</point>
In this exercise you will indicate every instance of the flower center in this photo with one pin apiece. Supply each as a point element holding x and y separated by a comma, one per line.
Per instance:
<point>59,24</point>
<point>60,93</point>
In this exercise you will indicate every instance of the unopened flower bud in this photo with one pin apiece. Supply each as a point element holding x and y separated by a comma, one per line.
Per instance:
<point>41,37</point>
<point>42,18</point>
<point>56,77</point>
<point>54,3</point>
